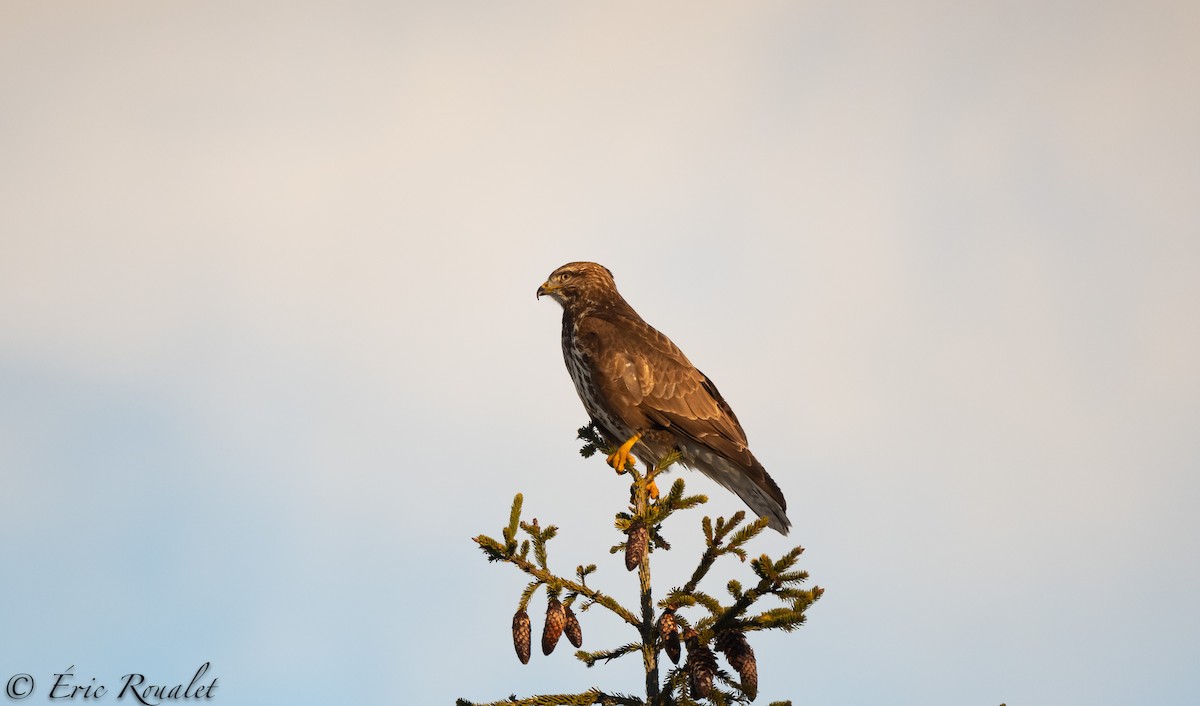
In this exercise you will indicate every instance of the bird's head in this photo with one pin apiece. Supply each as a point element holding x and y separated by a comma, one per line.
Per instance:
<point>576,282</point>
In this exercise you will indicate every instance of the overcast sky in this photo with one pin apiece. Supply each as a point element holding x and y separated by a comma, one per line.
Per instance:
<point>270,353</point>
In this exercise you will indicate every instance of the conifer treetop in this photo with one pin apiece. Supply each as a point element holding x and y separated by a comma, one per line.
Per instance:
<point>686,613</point>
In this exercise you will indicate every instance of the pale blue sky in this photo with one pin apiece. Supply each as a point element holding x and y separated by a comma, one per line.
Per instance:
<point>270,354</point>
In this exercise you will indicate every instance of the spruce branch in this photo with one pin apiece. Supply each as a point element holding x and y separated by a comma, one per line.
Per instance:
<point>527,594</point>
<point>592,439</point>
<point>590,658</point>
<point>514,517</point>
<point>494,551</point>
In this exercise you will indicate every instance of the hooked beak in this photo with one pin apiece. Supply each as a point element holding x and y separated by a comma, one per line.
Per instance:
<point>546,288</point>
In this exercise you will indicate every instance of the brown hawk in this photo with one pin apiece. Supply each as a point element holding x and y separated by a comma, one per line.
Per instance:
<point>643,394</point>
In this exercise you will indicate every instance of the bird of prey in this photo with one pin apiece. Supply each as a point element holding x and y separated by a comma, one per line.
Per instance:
<point>644,395</point>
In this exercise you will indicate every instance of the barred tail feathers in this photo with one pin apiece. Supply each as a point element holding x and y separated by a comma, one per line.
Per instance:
<point>755,486</point>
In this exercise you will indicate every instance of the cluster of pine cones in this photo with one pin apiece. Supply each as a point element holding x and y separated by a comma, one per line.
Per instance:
<point>701,665</point>
<point>559,619</point>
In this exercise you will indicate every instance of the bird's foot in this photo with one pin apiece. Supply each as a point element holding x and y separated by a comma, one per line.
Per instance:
<point>621,458</point>
<point>651,491</point>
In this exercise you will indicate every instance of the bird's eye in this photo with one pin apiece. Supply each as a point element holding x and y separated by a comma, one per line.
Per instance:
<point>563,276</point>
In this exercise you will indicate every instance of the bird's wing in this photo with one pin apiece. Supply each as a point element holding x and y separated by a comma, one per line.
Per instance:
<point>643,373</point>
<point>645,380</point>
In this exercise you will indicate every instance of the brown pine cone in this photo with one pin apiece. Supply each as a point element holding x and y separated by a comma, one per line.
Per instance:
<point>666,623</point>
<point>636,545</point>
<point>572,629</point>
<point>672,647</point>
<point>701,667</point>
<point>521,635</point>
<point>740,656</point>
<point>668,634</point>
<point>749,677</point>
<point>556,619</point>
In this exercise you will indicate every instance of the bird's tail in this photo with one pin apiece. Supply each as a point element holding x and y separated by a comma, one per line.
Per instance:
<point>753,485</point>
<point>759,491</point>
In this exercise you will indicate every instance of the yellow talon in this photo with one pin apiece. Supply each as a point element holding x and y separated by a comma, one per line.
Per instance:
<point>621,458</point>
<point>652,488</point>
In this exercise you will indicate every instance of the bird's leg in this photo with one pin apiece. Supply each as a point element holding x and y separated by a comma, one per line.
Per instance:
<point>621,458</point>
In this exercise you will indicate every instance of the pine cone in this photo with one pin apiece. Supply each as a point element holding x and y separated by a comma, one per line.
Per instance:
<point>672,647</point>
<point>521,635</point>
<point>668,634</point>
<point>701,667</point>
<point>635,546</point>
<point>572,629</point>
<point>741,657</point>
<point>749,677</point>
<point>556,618</point>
